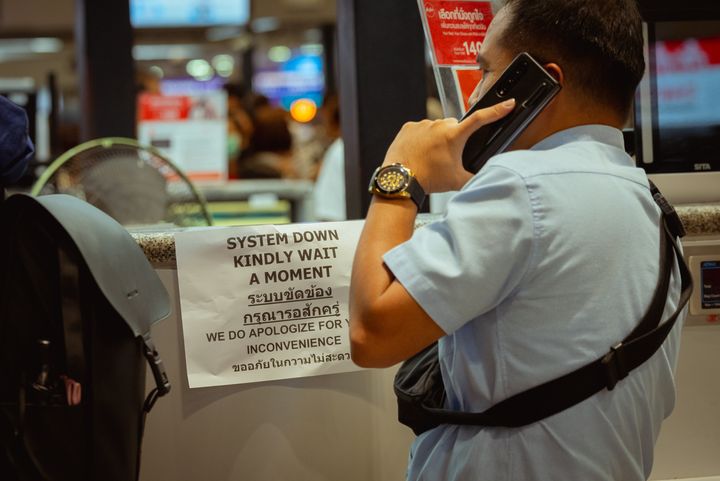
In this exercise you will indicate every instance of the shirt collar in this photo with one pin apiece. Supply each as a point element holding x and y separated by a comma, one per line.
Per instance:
<point>597,133</point>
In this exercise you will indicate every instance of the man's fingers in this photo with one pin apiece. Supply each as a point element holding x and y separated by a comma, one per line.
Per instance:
<point>485,116</point>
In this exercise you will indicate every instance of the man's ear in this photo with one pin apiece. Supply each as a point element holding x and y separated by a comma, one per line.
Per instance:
<point>556,72</point>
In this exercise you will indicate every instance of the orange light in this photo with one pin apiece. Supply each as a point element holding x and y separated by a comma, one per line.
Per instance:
<point>303,110</point>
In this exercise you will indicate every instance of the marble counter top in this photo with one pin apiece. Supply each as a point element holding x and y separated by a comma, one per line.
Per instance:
<point>700,219</point>
<point>159,245</point>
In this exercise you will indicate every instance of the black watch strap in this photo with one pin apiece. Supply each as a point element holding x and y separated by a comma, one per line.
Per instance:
<point>417,193</point>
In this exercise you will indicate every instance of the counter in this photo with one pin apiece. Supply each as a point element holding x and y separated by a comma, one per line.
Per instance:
<point>343,426</point>
<point>699,220</point>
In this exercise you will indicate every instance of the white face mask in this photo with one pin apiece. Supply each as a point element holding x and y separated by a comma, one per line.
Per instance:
<point>234,143</point>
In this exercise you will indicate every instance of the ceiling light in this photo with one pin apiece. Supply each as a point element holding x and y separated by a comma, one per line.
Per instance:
<point>223,64</point>
<point>279,53</point>
<point>166,51</point>
<point>46,45</point>
<point>200,69</point>
<point>311,49</point>
<point>17,83</point>
<point>157,71</point>
<point>16,48</point>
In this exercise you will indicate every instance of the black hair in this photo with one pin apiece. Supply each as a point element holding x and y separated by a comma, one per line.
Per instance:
<point>271,131</point>
<point>235,90</point>
<point>597,43</point>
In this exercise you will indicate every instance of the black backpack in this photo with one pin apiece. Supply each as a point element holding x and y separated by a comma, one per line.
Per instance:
<point>77,299</point>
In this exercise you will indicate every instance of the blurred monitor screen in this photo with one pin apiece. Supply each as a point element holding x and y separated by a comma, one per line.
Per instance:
<point>680,105</point>
<point>300,76</point>
<point>688,76</point>
<point>189,13</point>
<point>189,85</point>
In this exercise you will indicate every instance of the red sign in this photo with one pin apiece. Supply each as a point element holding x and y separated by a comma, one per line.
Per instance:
<point>457,29</point>
<point>674,56</point>
<point>467,80</point>
<point>163,107</point>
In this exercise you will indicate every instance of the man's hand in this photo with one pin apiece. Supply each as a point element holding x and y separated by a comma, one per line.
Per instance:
<point>386,324</point>
<point>433,149</point>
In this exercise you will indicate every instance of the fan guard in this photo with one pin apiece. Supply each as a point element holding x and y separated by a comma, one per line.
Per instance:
<point>133,183</point>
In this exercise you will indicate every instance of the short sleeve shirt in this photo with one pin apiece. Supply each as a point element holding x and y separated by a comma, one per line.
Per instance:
<point>543,261</point>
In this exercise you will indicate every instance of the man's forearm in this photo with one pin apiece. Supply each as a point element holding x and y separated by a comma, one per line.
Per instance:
<point>388,223</point>
<point>386,324</point>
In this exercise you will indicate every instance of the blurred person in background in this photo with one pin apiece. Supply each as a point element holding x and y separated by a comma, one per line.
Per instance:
<point>329,190</point>
<point>240,127</point>
<point>270,153</point>
<point>434,108</point>
<point>147,82</point>
<point>16,148</point>
<point>312,140</point>
<point>235,140</point>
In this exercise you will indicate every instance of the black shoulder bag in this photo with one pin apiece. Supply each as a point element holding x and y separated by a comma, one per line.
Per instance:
<point>77,301</point>
<point>420,390</point>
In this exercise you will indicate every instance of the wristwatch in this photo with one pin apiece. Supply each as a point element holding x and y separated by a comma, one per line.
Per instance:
<point>395,181</point>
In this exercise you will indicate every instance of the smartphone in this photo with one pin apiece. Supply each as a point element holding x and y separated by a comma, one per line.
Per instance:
<point>531,86</point>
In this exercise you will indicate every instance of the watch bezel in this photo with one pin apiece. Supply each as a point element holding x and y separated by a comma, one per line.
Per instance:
<point>401,190</point>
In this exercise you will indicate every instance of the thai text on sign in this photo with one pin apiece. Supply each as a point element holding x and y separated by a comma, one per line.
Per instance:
<point>456,29</point>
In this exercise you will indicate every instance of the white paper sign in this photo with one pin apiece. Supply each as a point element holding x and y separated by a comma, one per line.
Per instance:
<point>190,129</point>
<point>261,303</point>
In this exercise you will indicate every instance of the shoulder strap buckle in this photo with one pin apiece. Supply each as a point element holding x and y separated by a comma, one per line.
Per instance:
<point>156,366</point>
<point>615,366</point>
<point>670,215</point>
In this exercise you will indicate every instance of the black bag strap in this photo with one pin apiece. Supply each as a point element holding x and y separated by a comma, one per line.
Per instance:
<point>71,306</point>
<point>72,328</point>
<point>559,394</point>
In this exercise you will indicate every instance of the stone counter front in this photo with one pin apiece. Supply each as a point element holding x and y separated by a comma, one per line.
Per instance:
<point>700,219</point>
<point>159,246</point>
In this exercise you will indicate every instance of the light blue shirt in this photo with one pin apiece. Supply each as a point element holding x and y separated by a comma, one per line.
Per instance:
<point>544,260</point>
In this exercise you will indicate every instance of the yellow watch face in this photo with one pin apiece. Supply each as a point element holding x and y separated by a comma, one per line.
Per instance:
<point>392,179</point>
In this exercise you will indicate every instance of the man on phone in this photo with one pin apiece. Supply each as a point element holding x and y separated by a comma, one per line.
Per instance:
<point>542,261</point>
